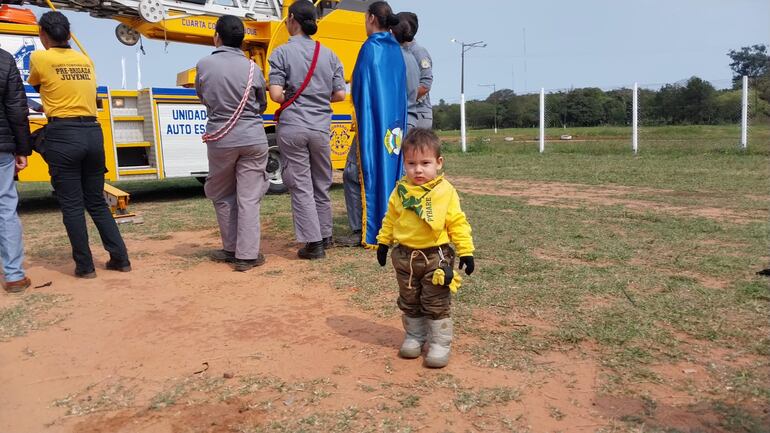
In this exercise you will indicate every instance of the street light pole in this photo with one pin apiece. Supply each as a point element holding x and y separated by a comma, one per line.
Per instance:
<point>465,47</point>
<point>494,89</point>
<point>462,99</point>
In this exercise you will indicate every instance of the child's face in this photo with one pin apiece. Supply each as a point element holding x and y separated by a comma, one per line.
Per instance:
<point>422,165</point>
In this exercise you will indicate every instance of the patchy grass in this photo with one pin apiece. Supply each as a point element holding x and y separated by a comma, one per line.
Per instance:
<point>409,401</point>
<point>33,311</point>
<point>341,421</point>
<point>371,288</point>
<point>95,398</point>
<point>555,413</point>
<point>738,419</point>
<point>466,400</point>
<point>188,389</point>
<point>199,390</point>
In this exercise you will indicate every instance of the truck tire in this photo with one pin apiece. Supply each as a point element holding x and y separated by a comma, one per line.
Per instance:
<point>274,171</point>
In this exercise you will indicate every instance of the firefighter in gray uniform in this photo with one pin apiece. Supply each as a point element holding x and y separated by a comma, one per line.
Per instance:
<point>424,108</point>
<point>236,143</point>
<point>303,126</point>
<point>404,34</point>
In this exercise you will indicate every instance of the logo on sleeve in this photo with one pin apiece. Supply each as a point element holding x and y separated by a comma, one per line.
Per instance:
<point>425,63</point>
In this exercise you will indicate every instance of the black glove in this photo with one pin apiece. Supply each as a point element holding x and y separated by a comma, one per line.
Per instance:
<point>382,254</point>
<point>467,261</point>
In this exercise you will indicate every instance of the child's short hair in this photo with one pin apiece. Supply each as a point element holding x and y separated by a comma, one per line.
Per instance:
<point>421,139</point>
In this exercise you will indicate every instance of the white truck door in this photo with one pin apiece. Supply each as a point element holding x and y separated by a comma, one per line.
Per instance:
<point>180,129</point>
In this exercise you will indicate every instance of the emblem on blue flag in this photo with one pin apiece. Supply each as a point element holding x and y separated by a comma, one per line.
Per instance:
<point>393,139</point>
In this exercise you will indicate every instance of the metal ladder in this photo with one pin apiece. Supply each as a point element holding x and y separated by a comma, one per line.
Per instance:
<point>157,10</point>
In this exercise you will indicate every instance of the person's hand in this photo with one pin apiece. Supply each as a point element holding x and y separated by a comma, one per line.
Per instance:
<point>382,254</point>
<point>467,261</point>
<point>21,163</point>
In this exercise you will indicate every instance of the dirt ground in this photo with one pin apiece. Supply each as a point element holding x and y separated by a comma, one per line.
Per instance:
<point>128,338</point>
<point>136,333</point>
<point>183,344</point>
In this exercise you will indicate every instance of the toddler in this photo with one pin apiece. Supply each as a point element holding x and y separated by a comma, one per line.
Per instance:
<point>423,217</point>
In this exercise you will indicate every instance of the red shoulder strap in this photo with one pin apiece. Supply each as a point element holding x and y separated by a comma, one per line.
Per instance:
<point>225,129</point>
<point>310,71</point>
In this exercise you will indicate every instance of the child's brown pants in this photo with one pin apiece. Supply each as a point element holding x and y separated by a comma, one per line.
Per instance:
<point>418,296</point>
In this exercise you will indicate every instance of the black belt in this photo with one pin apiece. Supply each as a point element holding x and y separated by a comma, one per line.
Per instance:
<point>82,119</point>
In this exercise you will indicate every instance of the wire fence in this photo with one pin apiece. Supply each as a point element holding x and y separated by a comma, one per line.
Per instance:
<point>632,112</point>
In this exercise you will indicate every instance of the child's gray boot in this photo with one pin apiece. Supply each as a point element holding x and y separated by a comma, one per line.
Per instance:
<point>415,336</point>
<point>440,341</point>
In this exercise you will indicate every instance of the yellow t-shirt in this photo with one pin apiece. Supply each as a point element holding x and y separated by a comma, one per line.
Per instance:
<point>67,82</point>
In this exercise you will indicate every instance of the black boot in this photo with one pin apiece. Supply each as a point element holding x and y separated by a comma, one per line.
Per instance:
<point>243,265</point>
<point>328,242</point>
<point>312,251</point>
<point>354,240</point>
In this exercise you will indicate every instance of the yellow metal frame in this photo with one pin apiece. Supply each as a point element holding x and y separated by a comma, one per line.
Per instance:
<point>37,169</point>
<point>156,131</point>
<point>104,116</point>
<point>19,29</point>
<point>122,118</point>
<point>133,171</point>
<point>136,144</point>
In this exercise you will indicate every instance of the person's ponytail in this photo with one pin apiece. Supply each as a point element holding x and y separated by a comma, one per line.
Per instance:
<point>304,13</point>
<point>309,27</point>
<point>383,14</point>
<point>402,31</point>
<point>392,21</point>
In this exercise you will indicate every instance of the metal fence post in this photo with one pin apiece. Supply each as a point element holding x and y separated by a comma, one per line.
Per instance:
<point>635,120</point>
<point>745,113</point>
<point>542,120</point>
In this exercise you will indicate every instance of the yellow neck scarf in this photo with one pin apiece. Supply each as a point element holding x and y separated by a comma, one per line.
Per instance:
<point>430,201</point>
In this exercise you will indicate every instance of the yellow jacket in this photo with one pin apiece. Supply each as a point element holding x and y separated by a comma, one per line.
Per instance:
<point>424,216</point>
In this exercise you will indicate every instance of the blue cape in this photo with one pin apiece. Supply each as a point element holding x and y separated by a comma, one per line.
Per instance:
<point>379,97</point>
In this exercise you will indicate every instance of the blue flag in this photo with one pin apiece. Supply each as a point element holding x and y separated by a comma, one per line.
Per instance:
<point>379,97</point>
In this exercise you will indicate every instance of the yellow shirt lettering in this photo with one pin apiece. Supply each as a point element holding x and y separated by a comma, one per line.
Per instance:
<point>67,82</point>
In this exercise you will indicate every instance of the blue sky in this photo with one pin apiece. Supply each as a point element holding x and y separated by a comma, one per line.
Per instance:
<point>602,43</point>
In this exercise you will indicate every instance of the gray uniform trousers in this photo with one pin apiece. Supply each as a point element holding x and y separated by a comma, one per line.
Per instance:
<point>352,184</point>
<point>236,183</point>
<point>307,172</point>
<point>423,121</point>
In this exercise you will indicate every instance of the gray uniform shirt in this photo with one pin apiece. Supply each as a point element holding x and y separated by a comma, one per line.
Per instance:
<point>220,82</point>
<point>289,65</point>
<point>412,81</point>
<point>426,75</point>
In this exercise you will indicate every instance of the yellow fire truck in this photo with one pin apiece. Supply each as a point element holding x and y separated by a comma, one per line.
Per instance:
<point>155,133</point>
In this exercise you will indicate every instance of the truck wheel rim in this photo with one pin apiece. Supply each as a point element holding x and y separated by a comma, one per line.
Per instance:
<point>274,176</point>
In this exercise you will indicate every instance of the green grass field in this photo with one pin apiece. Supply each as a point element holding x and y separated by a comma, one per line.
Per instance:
<point>685,158</point>
<point>660,274</point>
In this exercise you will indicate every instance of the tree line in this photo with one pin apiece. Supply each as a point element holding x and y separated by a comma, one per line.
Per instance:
<point>694,102</point>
